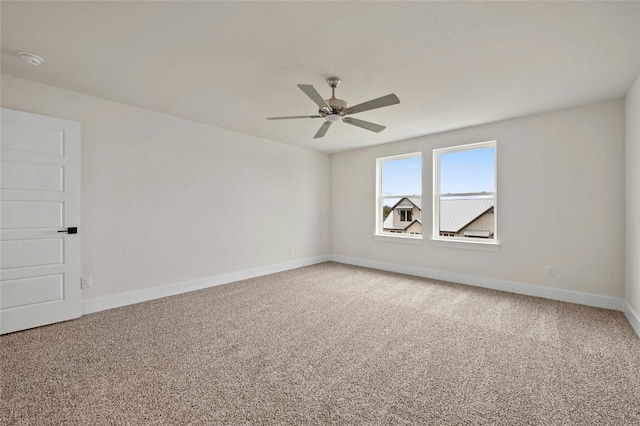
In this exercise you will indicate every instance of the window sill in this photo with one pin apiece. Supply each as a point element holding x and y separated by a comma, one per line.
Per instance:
<point>399,238</point>
<point>468,245</point>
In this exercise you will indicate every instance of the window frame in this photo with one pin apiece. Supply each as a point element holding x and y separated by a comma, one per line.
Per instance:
<point>379,224</point>
<point>436,194</point>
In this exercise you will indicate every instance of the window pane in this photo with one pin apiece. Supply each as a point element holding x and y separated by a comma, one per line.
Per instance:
<point>402,177</point>
<point>466,171</point>
<point>461,210</point>
<point>400,195</point>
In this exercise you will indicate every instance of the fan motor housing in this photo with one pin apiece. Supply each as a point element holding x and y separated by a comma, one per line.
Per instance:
<point>336,105</point>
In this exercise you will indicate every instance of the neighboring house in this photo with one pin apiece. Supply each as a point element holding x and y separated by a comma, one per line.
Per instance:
<point>470,217</point>
<point>405,217</point>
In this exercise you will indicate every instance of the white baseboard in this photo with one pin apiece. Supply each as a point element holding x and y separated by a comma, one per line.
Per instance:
<point>96,305</point>
<point>588,299</point>
<point>606,302</point>
<point>633,317</point>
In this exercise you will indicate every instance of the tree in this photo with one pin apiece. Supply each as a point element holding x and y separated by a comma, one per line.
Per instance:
<point>385,212</point>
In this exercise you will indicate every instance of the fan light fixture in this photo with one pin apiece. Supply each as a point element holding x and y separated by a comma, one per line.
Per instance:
<point>30,58</point>
<point>334,109</point>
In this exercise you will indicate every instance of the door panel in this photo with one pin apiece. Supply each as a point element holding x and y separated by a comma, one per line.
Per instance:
<point>23,253</point>
<point>39,196</point>
<point>31,214</point>
<point>32,176</point>
<point>31,291</point>
<point>21,137</point>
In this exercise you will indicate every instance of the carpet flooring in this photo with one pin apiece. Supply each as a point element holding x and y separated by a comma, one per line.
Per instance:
<point>328,344</point>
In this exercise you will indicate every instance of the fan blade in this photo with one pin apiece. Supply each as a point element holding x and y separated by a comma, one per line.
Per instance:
<point>364,124</point>
<point>294,116</point>
<point>384,101</point>
<point>311,92</point>
<point>323,129</point>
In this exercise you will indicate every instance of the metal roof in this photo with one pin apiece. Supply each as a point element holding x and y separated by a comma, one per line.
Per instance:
<point>388,222</point>
<point>456,214</point>
<point>417,201</point>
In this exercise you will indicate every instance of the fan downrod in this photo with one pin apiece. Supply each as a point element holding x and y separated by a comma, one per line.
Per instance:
<point>337,105</point>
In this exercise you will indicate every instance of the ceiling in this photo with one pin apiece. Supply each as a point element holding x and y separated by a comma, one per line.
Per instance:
<point>231,64</point>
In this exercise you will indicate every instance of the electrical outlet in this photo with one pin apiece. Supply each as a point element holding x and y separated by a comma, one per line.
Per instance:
<point>551,271</point>
<point>290,251</point>
<point>85,282</point>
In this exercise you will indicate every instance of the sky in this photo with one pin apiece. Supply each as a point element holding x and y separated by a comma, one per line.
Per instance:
<point>402,177</point>
<point>461,171</point>
<point>467,171</point>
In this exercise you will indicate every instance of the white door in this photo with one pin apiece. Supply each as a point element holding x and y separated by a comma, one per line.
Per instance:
<point>39,197</point>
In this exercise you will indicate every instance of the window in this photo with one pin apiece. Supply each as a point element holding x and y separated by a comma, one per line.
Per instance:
<point>399,195</point>
<point>464,195</point>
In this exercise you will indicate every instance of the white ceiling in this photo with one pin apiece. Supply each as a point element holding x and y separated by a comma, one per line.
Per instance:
<point>231,64</point>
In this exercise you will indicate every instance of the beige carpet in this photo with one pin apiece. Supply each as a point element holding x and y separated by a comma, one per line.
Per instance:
<point>328,344</point>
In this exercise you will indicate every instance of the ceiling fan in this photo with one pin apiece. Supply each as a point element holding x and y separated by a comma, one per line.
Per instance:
<point>335,109</point>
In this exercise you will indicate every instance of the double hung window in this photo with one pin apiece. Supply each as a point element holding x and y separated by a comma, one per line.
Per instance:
<point>399,195</point>
<point>464,194</point>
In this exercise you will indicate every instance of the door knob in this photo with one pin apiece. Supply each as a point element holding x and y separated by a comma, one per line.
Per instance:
<point>73,230</point>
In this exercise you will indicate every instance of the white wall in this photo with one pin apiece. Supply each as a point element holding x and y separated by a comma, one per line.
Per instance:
<point>560,202</point>
<point>167,200</point>
<point>632,157</point>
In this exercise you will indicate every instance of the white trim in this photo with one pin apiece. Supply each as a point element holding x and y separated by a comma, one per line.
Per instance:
<point>400,156</point>
<point>403,238</point>
<point>589,299</point>
<point>436,184</point>
<point>379,178</point>
<point>118,300</point>
<point>467,244</point>
<point>633,317</point>
<point>465,146</point>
